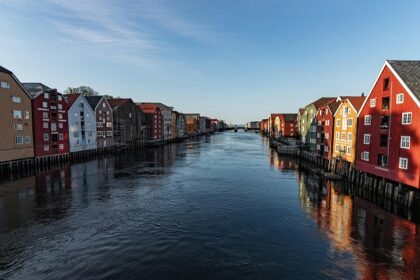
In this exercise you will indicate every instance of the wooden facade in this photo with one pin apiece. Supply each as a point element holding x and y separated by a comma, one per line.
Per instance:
<point>16,126</point>
<point>128,121</point>
<point>388,138</point>
<point>153,120</point>
<point>50,120</point>
<point>104,121</point>
<point>345,128</point>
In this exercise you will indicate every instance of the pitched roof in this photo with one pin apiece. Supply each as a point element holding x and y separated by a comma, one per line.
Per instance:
<point>115,102</point>
<point>36,89</point>
<point>71,98</point>
<point>322,101</point>
<point>147,108</point>
<point>356,101</point>
<point>160,105</point>
<point>4,70</point>
<point>409,72</point>
<point>93,100</point>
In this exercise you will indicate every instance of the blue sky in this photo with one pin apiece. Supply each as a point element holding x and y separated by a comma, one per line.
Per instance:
<point>234,60</point>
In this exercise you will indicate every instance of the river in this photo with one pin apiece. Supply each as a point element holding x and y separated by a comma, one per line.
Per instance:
<point>223,206</point>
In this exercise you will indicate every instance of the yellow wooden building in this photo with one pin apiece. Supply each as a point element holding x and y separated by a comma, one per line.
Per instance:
<point>345,128</point>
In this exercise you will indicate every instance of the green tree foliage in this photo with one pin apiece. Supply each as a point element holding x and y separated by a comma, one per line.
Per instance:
<point>85,90</point>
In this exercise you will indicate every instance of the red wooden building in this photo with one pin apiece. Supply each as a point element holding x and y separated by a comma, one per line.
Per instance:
<point>388,124</point>
<point>50,122</point>
<point>153,121</point>
<point>288,125</point>
<point>325,128</point>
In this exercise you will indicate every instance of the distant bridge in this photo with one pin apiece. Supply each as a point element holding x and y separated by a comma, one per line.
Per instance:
<point>240,128</point>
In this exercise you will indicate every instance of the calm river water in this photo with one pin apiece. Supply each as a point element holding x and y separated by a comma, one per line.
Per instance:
<point>221,206</point>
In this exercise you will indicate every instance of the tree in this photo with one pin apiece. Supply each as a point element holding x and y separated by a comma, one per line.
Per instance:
<point>85,90</point>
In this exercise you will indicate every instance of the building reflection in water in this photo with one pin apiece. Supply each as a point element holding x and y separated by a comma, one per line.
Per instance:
<point>384,245</point>
<point>282,163</point>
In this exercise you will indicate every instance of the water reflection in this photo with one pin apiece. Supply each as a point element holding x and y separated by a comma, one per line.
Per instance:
<point>224,206</point>
<point>383,245</point>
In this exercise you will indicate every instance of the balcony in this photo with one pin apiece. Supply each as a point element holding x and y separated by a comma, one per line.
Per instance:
<point>385,103</point>
<point>385,122</point>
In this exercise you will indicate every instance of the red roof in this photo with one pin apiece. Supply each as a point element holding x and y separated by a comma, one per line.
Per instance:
<point>71,98</point>
<point>148,108</point>
<point>322,101</point>
<point>115,102</point>
<point>356,101</point>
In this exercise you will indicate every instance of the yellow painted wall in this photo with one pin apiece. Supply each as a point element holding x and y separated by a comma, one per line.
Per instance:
<point>342,131</point>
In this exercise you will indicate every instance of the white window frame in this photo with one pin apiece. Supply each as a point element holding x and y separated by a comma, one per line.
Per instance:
<point>408,114</point>
<point>366,118</point>
<point>365,156</point>
<point>5,85</point>
<point>401,163</point>
<point>17,114</point>
<point>338,123</point>
<point>337,135</point>
<point>400,98</point>
<point>366,136</point>
<point>372,103</point>
<point>350,122</point>
<point>405,142</point>
<point>19,140</point>
<point>16,99</point>
<point>349,136</point>
<point>348,150</point>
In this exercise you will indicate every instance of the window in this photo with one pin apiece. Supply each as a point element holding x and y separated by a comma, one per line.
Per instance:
<point>60,125</point>
<point>384,140</point>
<point>46,96</point>
<point>403,163</point>
<point>326,149</point>
<point>60,106</point>
<point>348,150</point>
<point>103,105</point>
<point>405,142</point>
<point>17,114</point>
<point>99,124</point>
<point>336,148</point>
<point>327,123</point>
<point>349,136</point>
<point>372,102</point>
<point>15,99</point>
<point>46,136</point>
<point>107,112</point>
<point>346,111</point>
<point>384,121</point>
<point>28,139</point>
<point>46,148</point>
<point>60,116</point>
<point>59,97</point>
<point>76,134</point>
<point>129,115</point>
<point>318,147</point>
<point>343,136</point>
<point>44,104</point>
<point>406,118</point>
<point>386,83</point>
<point>5,85</point>
<point>76,114</point>
<point>338,123</point>
<point>87,115</point>
<point>365,156</point>
<point>368,120</point>
<point>89,134</point>
<point>19,140</point>
<point>366,139</point>
<point>53,127</point>
<point>385,103</point>
<point>60,136</point>
<point>45,125</point>
<point>327,135</point>
<point>400,98</point>
<point>350,122</point>
<point>45,115</point>
<point>337,135</point>
<point>382,160</point>
<point>17,126</point>
<point>61,146</point>
<point>109,133</point>
<point>318,135</point>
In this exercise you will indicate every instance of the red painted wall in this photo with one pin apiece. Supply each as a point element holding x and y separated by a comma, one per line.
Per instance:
<point>323,115</point>
<point>53,117</point>
<point>409,176</point>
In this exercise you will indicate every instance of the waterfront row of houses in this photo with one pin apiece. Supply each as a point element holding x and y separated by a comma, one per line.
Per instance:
<point>39,121</point>
<point>378,134</point>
